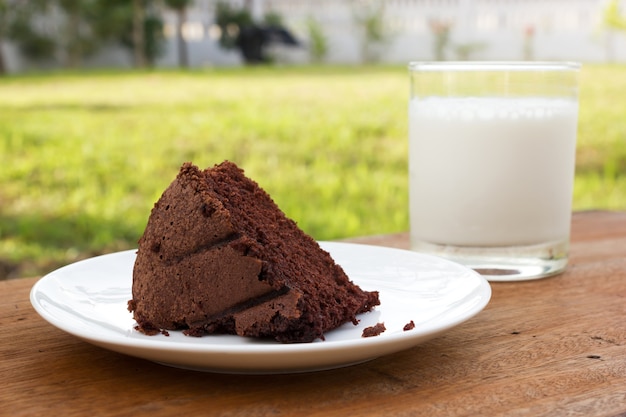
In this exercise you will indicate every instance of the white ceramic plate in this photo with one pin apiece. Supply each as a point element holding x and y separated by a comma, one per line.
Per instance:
<point>88,299</point>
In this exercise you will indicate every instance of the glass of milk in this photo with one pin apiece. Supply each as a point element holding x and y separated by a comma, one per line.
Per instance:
<point>491,164</point>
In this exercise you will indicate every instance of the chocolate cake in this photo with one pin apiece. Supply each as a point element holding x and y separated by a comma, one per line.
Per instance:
<point>219,256</point>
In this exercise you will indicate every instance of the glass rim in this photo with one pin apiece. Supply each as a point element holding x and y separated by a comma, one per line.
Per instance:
<point>461,66</point>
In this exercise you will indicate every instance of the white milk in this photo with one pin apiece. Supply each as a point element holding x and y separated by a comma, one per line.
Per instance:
<point>491,171</point>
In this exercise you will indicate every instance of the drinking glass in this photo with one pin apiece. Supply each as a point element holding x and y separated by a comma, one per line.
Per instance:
<point>491,164</point>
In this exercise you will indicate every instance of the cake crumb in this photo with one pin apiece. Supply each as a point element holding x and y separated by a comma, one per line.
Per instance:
<point>147,330</point>
<point>409,326</point>
<point>375,330</point>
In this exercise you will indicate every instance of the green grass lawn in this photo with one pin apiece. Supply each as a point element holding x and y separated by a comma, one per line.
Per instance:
<point>83,157</point>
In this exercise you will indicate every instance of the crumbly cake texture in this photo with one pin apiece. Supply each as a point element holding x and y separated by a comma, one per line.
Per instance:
<point>219,256</point>
<point>409,326</point>
<point>374,330</point>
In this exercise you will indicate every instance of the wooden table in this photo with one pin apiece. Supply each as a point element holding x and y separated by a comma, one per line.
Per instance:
<point>554,347</point>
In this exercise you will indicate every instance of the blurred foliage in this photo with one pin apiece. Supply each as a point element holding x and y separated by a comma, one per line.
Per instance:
<point>613,18</point>
<point>71,30</point>
<point>230,21</point>
<point>318,42</point>
<point>369,17</point>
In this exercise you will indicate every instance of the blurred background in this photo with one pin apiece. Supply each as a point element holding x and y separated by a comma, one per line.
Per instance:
<point>202,33</point>
<point>101,101</point>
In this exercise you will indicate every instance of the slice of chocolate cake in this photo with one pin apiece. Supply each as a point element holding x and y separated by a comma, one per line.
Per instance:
<point>219,256</point>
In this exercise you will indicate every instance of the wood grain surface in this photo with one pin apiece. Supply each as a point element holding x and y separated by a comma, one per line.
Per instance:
<point>552,347</point>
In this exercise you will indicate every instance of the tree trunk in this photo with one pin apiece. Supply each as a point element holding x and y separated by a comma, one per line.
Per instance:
<point>183,59</point>
<point>73,45</point>
<point>139,47</point>
<point>3,67</point>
